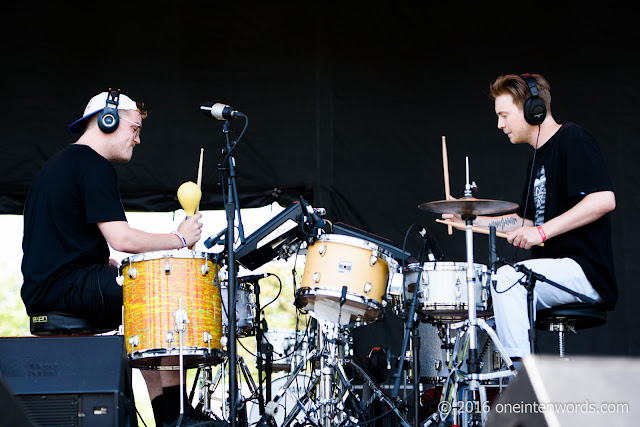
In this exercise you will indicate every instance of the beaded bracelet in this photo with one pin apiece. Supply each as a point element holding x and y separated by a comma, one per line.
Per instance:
<point>184,241</point>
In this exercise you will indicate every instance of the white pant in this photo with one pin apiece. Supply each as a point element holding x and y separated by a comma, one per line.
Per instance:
<point>510,307</point>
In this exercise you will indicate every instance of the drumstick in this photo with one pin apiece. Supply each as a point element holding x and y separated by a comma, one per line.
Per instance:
<point>200,175</point>
<point>475,229</point>
<point>445,167</point>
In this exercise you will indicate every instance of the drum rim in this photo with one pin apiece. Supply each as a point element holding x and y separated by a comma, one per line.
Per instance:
<point>341,239</point>
<point>413,266</point>
<point>175,253</point>
<point>304,291</point>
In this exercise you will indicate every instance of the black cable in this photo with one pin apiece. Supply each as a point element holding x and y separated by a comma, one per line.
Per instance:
<point>526,202</point>
<point>404,249</point>
<point>279,291</point>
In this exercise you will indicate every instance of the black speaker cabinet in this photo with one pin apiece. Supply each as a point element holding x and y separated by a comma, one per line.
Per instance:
<point>578,391</point>
<point>70,380</point>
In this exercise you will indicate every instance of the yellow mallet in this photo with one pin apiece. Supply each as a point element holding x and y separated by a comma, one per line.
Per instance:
<point>189,195</point>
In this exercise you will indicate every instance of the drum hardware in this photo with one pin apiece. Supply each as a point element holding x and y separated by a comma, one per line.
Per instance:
<point>468,208</point>
<point>271,408</point>
<point>411,332</point>
<point>378,393</point>
<point>181,319</point>
<point>209,384</point>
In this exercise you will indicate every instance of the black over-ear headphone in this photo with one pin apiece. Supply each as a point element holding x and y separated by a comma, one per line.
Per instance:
<point>108,118</point>
<point>535,110</point>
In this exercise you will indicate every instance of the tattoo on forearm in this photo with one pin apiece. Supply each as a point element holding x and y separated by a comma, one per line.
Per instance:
<point>502,223</point>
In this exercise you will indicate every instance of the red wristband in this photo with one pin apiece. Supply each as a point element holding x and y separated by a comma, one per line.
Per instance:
<point>541,231</point>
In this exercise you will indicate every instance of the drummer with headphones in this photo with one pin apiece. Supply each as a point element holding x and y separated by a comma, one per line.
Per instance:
<point>565,204</point>
<point>72,211</point>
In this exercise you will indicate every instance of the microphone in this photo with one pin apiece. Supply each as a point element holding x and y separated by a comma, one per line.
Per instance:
<point>316,220</point>
<point>220,111</point>
<point>343,296</point>
<point>252,278</point>
<point>431,243</point>
<point>493,256</point>
<point>213,240</point>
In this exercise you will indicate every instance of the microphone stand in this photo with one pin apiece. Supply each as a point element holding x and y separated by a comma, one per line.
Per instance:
<point>231,207</point>
<point>529,282</point>
<point>410,331</point>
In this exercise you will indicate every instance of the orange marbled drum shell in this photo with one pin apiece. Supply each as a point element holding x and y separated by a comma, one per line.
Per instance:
<point>152,296</point>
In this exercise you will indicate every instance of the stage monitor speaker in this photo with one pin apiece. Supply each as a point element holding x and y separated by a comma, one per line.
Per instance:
<point>578,391</point>
<point>70,380</point>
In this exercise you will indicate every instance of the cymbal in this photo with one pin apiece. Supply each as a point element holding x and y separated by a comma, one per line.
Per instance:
<point>468,206</point>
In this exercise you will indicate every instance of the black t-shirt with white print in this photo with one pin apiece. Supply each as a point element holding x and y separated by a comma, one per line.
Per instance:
<point>568,167</point>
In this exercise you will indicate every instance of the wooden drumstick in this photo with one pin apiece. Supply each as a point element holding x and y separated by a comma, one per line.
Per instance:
<point>199,182</point>
<point>445,167</point>
<point>475,229</point>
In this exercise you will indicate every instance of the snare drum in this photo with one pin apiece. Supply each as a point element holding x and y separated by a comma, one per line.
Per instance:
<point>156,286</point>
<point>443,289</point>
<point>337,263</point>
<point>245,310</point>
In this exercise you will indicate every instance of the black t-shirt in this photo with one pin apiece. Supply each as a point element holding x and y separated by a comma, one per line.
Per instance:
<point>568,167</point>
<point>74,190</point>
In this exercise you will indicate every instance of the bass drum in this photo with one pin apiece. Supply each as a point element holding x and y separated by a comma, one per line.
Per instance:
<point>287,403</point>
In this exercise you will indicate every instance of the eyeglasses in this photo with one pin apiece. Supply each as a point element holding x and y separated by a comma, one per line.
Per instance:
<point>138,129</point>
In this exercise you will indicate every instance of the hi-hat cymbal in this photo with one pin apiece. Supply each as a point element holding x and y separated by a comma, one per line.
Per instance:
<point>468,206</point>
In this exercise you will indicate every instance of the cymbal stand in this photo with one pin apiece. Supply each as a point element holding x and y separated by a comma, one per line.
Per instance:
<point>476,390</point>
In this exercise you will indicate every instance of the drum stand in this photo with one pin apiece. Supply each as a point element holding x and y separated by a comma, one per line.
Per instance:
<point>209,384</point>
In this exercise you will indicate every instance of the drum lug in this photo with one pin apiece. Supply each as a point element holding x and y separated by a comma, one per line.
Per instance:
<point>207,337</point>
<point>167,268</point>
<point>120,280</point>
<point>373,259</point>
<point>133,273</point>
<point>485,295</point>
<point>322,250</point>
<point>367,288</point>
<point>134,341</point>
<point>316,277</point>
<point>204,269</point>
<point>169,337</point>
<point>223,341</point>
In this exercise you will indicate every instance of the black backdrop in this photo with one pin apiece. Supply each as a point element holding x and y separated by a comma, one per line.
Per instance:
<point>347,105</point>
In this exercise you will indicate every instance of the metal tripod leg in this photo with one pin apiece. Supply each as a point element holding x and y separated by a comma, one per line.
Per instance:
<point>272,407</point>
<point>380,394</point>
